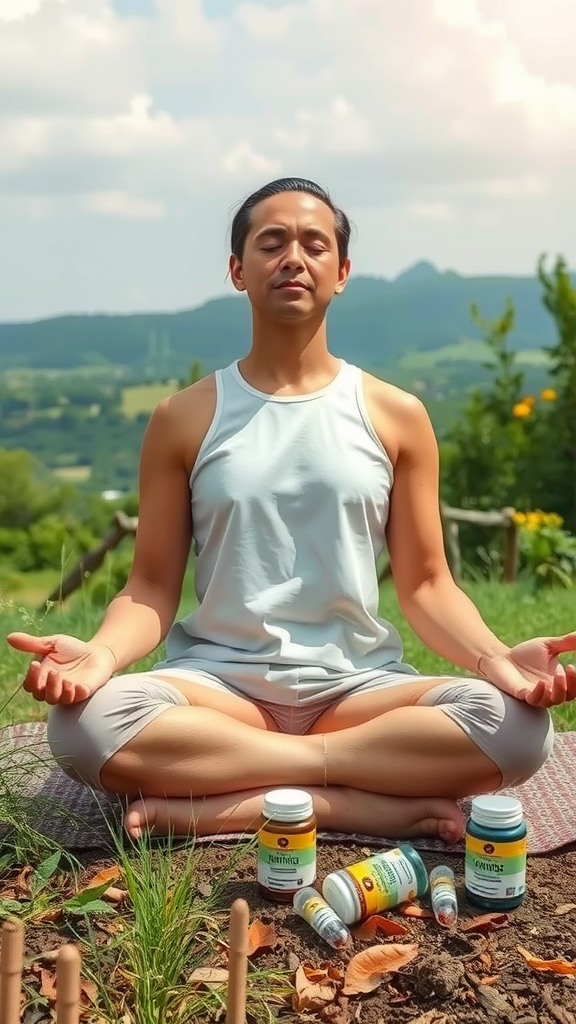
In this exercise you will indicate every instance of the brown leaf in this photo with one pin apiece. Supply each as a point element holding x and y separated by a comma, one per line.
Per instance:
<point>212,977</point>
<point>261,936</point>
<point>106,875</point>
<point>368,930</point>
<point>491,980</point>
<point>558,966</point>
<point>48,984</point>
<point>315,987</point>
<point>411,910</point>
<point>486,923</point>
<point>49,915</point>
<point>114,895</point>
<point>367,969</point>
<point>565,908</point>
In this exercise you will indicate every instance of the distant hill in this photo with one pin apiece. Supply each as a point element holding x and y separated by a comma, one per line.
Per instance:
<point>376,322</point>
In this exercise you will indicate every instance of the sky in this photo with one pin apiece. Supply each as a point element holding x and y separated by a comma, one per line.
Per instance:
<point>130,129</point>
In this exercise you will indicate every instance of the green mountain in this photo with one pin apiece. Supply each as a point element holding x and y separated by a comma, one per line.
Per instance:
<point>376,322</point>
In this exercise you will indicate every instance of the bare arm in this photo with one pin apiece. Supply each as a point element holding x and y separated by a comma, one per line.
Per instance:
<point>442,615</point>
<point>139,617</point>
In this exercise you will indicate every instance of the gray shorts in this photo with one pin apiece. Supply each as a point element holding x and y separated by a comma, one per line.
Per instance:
<point>82,737</point>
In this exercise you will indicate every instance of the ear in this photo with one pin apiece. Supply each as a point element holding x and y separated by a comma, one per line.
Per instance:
<point>235,268</point>
<point>343,274</point>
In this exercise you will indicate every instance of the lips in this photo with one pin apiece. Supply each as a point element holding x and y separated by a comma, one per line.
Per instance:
<point>293,285</point>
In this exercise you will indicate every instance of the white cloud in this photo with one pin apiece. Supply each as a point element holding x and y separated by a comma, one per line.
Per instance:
<point>116,203</point>
<point>438,111</point>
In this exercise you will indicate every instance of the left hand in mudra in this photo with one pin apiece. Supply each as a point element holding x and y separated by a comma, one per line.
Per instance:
<point>531,671</point>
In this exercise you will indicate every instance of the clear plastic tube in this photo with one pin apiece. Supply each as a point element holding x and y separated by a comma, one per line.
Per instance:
<point>443,896</point>
<point>309,905</point>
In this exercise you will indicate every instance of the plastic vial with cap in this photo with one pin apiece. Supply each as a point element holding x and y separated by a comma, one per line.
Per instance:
<point>443,896</point>
<point>309,905</point>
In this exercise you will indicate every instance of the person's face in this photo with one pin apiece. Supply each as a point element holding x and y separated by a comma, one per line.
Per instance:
<point>290,267</point>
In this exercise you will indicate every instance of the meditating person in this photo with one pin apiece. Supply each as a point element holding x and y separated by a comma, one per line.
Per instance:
<point>290,470</point>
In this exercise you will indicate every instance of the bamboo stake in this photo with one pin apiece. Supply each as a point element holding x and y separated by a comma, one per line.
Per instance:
<point>237,963</point>
<point>11,963</point>
<point>68,985</point>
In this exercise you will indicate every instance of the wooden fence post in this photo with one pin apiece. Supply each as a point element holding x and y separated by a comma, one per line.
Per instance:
<point>122,525</point>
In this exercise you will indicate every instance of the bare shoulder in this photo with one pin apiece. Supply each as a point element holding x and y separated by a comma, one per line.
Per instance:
<point>399,418</point>
<point>181,420</point>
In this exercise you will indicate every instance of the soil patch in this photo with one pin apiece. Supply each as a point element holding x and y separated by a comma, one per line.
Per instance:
<point>456,978</point>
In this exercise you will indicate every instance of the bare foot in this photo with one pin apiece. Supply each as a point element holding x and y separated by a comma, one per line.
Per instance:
<point>338,809</point>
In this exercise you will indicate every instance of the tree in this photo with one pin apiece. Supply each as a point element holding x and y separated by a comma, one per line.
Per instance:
<point>483,452</point>
<point>26,491</point>
<point>557,436</point>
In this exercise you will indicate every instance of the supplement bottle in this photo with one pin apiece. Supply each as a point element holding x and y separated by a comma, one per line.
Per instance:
<point>309,904</point>
<point>286,844</point>
<point>496,848</point>
<point>376,883</point>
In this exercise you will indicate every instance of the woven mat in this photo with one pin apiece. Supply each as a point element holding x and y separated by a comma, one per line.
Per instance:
<point>78,818</point>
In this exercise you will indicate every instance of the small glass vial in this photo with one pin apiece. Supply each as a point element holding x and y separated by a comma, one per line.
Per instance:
<point>309,905</point>
<point>496,851</point>
<point>443,896</point>
<point>286,844</point>
<point>371,885</point>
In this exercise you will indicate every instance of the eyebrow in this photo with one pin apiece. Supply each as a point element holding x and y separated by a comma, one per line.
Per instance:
<point>277,231</point>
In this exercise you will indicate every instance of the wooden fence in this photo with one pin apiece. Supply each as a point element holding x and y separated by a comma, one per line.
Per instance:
<point>126,526</point>
<point>68,966</point>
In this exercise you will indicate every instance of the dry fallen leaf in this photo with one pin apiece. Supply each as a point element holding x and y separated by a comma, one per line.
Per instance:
<point>261,936</point>
<point>411,910</point>
<point>88,990</point>
<point>558,966</point>
<point>565,908</point>
<point>315,987</point>
<point>486,923</point>
<point>367,969</point>
<point>212,977</point>
<point>490,980</point>
<point>106,875</point>
<point>114,895</point>
<point>368,930</point>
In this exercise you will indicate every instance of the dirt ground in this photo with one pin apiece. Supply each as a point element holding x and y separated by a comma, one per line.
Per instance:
<point>456,978</point>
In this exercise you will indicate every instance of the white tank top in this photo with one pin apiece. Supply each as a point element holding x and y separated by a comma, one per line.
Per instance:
<point>290,498</point>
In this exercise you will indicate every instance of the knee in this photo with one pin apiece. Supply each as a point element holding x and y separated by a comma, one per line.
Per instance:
<point>516,737</point>
<point>82,737</point>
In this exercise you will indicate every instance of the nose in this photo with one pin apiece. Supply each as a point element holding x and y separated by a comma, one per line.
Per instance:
<point>292,257</point>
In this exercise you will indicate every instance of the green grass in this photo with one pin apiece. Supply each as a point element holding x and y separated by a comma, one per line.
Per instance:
<point>514,612</point>
<point>139,398</point>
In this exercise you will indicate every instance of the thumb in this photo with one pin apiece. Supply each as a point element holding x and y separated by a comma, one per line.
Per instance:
<point>31,644</point>
<point>562,644</point>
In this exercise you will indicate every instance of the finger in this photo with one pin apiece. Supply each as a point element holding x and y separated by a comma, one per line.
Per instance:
<point>562,644</point>
<point>536,696</point>
<point>53,690</point>
<point>69,690</point>
<point>32,679</point>
<point>570,682</point>
<point>559,689</point>
<point>31,644</point>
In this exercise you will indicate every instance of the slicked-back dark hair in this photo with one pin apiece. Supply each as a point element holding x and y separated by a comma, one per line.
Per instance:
<point>243,216</point>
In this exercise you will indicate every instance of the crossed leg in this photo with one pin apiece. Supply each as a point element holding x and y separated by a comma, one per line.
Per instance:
<point>394,766</point>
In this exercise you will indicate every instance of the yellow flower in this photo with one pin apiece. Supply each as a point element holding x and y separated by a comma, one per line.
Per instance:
<point>528,400</point>
<point>519,518</point>
<point>548,395</point>
<point>534,520</point>
<point>521,410</point>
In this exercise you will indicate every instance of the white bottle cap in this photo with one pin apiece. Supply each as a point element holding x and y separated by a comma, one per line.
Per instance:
<point>497,811</point>
<point>341,897</point>
<point>287,805</point>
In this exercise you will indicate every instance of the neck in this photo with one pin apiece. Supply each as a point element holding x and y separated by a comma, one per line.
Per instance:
<point>289,353</point>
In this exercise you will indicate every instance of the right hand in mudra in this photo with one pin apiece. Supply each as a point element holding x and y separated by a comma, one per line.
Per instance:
<point>65,670</point>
